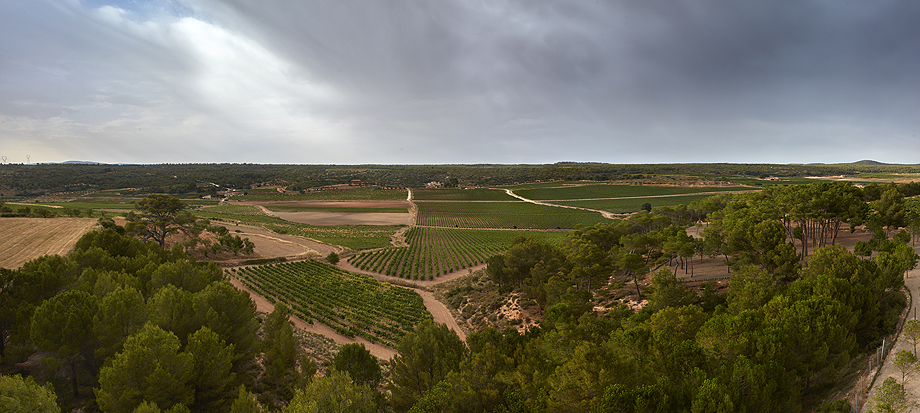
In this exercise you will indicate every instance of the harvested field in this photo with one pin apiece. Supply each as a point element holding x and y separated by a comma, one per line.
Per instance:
<point>345,218</point>
<point>24,239</point>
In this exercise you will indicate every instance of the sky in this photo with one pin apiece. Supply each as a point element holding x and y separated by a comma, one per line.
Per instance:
<point>459,81</point>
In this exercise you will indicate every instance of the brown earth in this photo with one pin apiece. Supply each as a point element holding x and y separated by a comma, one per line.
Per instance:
<point>24,239</point>
<point>332,204</point>
<point>345,218</point>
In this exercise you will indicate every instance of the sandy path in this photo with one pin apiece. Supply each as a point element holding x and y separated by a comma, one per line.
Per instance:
<point>262,305</point>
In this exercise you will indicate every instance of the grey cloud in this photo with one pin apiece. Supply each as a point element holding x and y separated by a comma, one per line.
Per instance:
<point>477,81</point>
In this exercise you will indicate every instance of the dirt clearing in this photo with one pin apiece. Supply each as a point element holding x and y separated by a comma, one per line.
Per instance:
<point>24,239</point>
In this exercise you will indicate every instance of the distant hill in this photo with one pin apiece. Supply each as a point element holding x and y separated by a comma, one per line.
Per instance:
<point>83,163</point>
<point>870,162</point>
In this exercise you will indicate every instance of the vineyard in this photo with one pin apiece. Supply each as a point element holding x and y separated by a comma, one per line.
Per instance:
<point>627,205</point>
<point>614,191</point>
<point>437,251</point>
<point>507,215</point>
<point>352,304</point>
<point>478,194</point>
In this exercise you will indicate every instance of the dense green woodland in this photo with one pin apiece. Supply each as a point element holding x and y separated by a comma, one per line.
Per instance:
<point>121,325</point>
<point>45,179</point>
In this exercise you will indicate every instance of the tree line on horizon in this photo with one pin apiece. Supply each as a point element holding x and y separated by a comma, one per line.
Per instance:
<point>45,179</point>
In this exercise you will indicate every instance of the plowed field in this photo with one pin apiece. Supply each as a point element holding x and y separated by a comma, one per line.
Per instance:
<point>22,239</point>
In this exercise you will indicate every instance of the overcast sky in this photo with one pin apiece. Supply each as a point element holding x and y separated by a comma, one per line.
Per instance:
<point>459,81</point>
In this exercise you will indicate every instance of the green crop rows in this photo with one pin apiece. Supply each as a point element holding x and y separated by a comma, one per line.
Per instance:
<point>627,205</point>
<point>352,304</point>
<point>614,191</point>
<point>356,237</point>
<point>478,194</point>
<point>509,215</point>
<point>437,251</point>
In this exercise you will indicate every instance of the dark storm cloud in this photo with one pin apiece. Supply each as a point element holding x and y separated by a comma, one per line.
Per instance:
<point>462,81</point>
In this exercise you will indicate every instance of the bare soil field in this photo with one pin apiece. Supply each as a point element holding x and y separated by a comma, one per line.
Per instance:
<point>24,239</point>
<point>329,218</point>
<point>345,218</point>
<point>333,204</point>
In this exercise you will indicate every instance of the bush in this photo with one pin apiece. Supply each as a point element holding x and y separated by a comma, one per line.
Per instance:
<point>333,258</point>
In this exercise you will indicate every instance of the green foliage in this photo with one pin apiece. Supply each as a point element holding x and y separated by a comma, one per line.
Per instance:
<point>891,397</point>
<point>211,376</point>
<point>332,258</point>
<point>157,217</point>
<point>360,365</point>
<point>150,368</point>
<point>912,333</point>
<point>425,357</point>
<point>281,378</point>
<point>335,393</point>
<point>245,402</point>
<point>63,325</point>
<point>18,395</point>
<point>121,313</point>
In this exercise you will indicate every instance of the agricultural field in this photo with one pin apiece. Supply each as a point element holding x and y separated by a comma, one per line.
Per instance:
<point>627,205</point>
<point>352,304</point>
<point>356,237</point>
<point>239,210</point>
<point>437,251</point>
<point>348,210</point>
<point>361,194</point>
<point>29,238</point>
<point>478,194</point>
<point>596,191</point>
<point>502,215</point>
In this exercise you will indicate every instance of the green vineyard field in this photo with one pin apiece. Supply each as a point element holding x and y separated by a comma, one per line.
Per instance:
<point>614,191</point>
<point>352,304</point>
<point>437,251</point>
